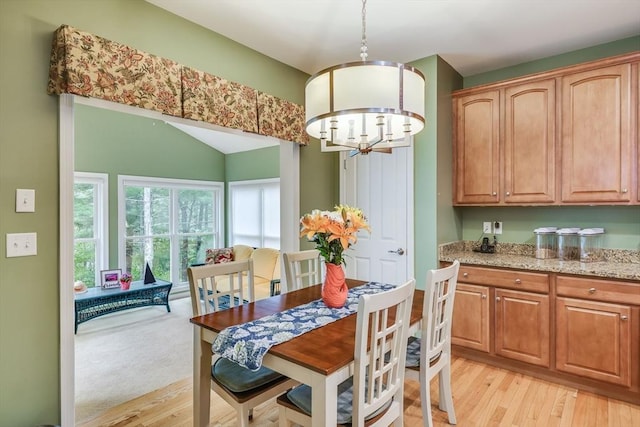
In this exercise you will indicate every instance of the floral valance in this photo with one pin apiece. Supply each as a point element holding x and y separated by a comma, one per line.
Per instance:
<point>281,119</point>
<point>89,65</point>
<point>212,99</point>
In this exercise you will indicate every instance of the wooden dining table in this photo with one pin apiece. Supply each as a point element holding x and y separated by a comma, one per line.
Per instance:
<point>321,358</point>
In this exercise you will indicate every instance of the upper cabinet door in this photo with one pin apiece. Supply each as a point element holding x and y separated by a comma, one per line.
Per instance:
<point>530,143</point>
<point>477,157</point>
<point>596,135</point>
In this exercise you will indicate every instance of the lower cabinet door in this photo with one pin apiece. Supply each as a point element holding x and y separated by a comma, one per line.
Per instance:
<point>522,326</point>
<point>593,340</point>
<point>470,325</point>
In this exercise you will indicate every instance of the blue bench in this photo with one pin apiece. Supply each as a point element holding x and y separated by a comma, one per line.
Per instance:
<point>97,302</point>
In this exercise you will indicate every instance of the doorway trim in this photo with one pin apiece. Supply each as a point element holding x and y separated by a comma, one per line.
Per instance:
<point>289,196</point>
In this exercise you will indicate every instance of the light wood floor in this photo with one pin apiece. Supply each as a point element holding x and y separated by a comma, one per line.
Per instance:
<point>483,396</point>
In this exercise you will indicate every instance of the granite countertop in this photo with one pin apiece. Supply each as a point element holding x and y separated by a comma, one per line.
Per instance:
<point>619,264</point>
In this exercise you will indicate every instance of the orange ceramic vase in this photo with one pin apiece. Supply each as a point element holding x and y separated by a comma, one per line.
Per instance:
<point>334,288</point>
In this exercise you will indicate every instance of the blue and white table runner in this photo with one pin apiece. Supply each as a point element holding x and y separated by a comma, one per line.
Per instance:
<point>247,344</point>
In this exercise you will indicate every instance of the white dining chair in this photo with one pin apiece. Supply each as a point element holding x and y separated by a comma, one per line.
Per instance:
<point>430,355</point>
<point>373,396</point>
<point>239,387</point>
<point>302,268</point>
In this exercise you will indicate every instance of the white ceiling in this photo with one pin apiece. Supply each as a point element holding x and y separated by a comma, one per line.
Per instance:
<point>227,142</point>
<point>473,36</point>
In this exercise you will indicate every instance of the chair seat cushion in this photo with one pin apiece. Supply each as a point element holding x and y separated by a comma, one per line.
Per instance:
<point>413,353</point>
<point>301,397</point>
<point>238,379</point>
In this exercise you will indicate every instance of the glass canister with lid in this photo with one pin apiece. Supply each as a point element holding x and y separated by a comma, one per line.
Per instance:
<point>568,244</point>
<point>546,242</point>
<point>591,244</point>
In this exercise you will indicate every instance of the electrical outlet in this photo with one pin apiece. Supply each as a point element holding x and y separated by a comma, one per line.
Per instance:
<point>497,227</point>
<point>486,227</point>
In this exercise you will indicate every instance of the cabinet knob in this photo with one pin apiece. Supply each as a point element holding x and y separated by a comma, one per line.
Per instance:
<point>497,298</point>
<point>508,193</point>
<point>518,281</point>
<point>624,190</point>
<point>465,274</point>
<point>592,290</point>
<point>494,194</point>
<point>484,296</point>
<point>623,317</point>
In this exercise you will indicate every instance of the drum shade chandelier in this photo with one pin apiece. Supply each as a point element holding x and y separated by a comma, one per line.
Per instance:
<point>357,105</point>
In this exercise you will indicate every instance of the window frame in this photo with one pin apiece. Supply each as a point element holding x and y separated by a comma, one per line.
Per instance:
<point>173,185</point>
<point>101,217</point>
<point>251,183</point>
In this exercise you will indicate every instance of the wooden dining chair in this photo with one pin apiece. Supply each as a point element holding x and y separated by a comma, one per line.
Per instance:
<point>430,355</point>
<point>373,396</point>
<point>239,387</point>
<point>302,268</point>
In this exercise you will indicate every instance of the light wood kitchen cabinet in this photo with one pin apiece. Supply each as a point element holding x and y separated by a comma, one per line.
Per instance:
<point>470,324</point>
<point>525,115</point>
<point>580,330</point>
<point>597,146</point>
<point>520,313</point>
<point>595,333</point>
<point>563,137</point>
<point>530,143</point>
<point>593,340</point>
<point>522,326</point>
<point>477,148</point>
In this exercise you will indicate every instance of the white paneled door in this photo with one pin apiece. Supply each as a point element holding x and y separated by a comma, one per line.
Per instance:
<point>382,186</point>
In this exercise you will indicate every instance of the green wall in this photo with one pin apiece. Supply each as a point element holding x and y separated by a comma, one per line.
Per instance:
<point>255,164</point>
<point>322,172</point>
<point>449,226</point>
<point>621,223</point>
<point>122,144</point>
<point>566,59</point>
<point>29,306</point>
<point>436,221</point>
<point>425,149</point>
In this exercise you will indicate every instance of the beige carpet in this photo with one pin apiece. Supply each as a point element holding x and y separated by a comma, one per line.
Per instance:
<point>124,355</point>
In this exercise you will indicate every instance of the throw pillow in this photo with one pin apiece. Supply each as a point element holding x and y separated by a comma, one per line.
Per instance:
<point>217,256</point>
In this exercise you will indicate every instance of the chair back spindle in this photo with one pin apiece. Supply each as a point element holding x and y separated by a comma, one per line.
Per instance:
<point>302,269</point>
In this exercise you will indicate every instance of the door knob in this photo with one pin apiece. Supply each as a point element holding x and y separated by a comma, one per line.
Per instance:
<point>398,251</point>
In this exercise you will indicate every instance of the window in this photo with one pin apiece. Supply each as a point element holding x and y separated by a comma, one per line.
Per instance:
<point>168,223</point>
<point>90,226</point>
<point>254,212</point>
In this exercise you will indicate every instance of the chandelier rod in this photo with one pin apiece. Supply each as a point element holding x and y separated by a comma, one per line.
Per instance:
<point>363,43</point>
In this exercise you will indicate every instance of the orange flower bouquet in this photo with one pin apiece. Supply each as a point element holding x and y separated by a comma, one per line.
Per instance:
<point>333,231</point>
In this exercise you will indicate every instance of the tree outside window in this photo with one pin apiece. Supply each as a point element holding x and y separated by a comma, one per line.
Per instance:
<point>169,224</point>
<point>90,226</point>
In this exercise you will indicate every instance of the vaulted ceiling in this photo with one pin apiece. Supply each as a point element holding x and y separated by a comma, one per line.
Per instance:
<point>473,36</point>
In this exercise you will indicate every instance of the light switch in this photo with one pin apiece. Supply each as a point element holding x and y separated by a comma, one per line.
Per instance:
<point>25,200</point>
<point>22,244</point>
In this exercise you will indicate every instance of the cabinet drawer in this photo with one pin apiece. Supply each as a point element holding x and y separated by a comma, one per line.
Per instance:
<point>535,282</point>
<point>598,290</point>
